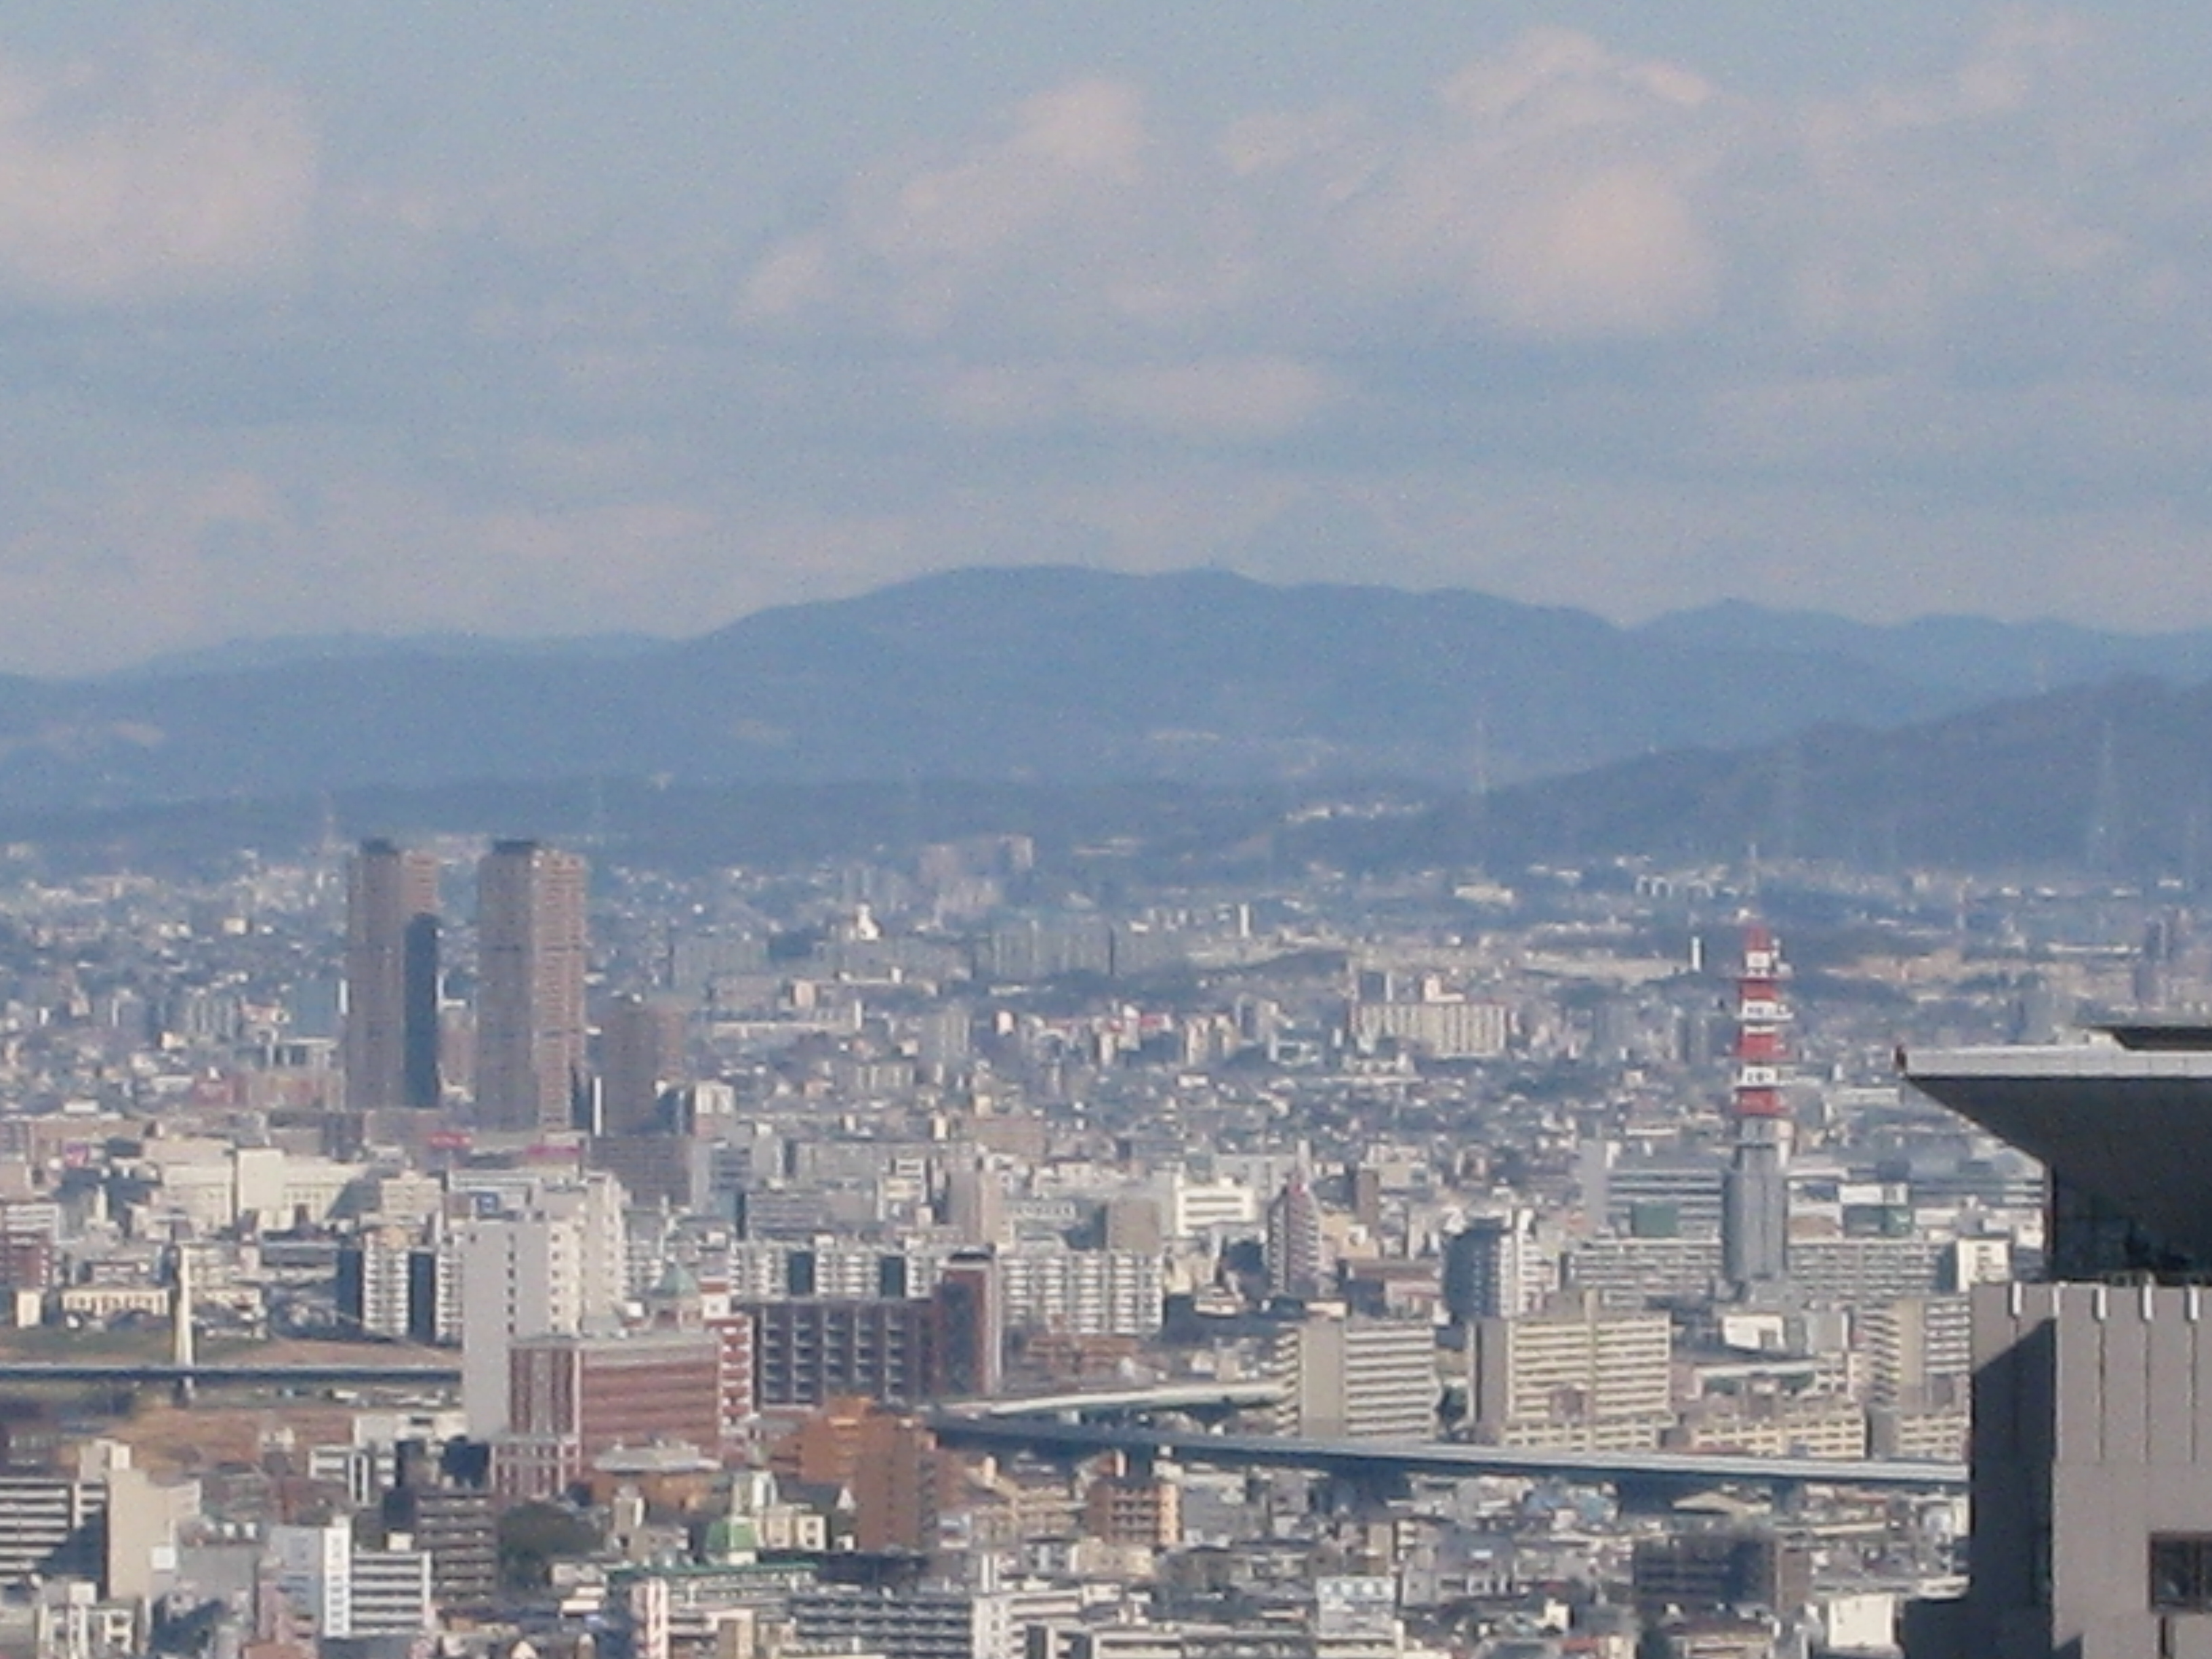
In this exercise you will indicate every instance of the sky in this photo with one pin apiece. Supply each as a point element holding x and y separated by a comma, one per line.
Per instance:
<point>322,315</point>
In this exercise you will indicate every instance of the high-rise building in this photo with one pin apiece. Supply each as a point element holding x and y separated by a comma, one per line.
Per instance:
<point>970,1327</point>
<point>1295,1257</point>
<point>1580,1376</point>
<point>2092,1468</point>
<point>810,1350</point>
<point>1359,1379</point>
<point>1496,1269</point>
<point>454,1524</point>
<point>975,1202</point>
<point>347,1591</point>
<point>641,1055</point>
<point>554,1266</point>
<point>390,1287</point>
<point>521,1276</point>
<point>530,1054</point>
<point>1081,1292</point>
<point>391,977</point>
<point>1755,1202</point>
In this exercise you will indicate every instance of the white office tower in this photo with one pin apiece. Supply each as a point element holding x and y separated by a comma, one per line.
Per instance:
<point>599,1202</point>
<point>521,1276</point>
<point>557,1267</point>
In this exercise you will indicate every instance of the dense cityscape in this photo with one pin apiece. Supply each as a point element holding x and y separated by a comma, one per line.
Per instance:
<point>493,1247</point>
<point>997,830</point>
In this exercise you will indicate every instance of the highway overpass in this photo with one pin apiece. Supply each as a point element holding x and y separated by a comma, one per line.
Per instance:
<point>1387,1458</point>
<point>1240,1394</point>
<point>215,1374</point>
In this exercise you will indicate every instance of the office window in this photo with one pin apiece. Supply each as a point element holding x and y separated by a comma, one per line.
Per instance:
<point>2181,1574</point>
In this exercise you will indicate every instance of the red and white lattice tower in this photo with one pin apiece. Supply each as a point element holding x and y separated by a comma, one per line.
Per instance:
<point>1755,1210</point>
<point>1760,1015</point>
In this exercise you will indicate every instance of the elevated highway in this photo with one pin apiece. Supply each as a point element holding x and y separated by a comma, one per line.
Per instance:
<point>230,1374</point>
<point>1391,1459</point>
<point>1243,1394</point>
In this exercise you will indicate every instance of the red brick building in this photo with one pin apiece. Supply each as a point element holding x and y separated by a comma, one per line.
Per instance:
<point>570,1399</point>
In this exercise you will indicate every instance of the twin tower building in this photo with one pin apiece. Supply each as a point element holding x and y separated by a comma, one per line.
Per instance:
<point>530,1062</point>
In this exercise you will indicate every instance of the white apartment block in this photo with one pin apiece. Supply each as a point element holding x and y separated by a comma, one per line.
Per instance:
<point>1585,1376</point>
<point>1360,1379</point>
<point>1081,1292</point>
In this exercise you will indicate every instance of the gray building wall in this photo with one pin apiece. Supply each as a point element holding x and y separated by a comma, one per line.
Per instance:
<point>2092,1435</point>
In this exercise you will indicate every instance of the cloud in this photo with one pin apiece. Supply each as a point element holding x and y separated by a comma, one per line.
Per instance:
<point>1200,400</point>
<point>172,174</point>
<point>1581,323</point>
<point>1550,192</point>
<point>1554,195</point>
<point>1069,216</point>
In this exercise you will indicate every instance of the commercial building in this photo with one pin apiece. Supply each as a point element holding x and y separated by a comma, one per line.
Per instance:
<point>554,1266</point>
<point>391,1043</point>
<point>531,1061</point>
<point>2092,1439</point>
<point>922,1624</point>
<point>1495,1267</point>
<point>1081,1292</point>
<point>572,1399</point>
<point>809,1351</point>
<point>1360,1379</point>
<point>1580,1376</point>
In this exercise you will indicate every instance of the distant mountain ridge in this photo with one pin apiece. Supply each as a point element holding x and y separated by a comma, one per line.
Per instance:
<point>285,650</point>
<point>2113,778</point>
<point>1034,674</point>
<point>1971,655</point>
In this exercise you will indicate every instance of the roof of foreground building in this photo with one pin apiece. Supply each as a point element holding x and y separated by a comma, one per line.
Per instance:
<point>2128,1119</point>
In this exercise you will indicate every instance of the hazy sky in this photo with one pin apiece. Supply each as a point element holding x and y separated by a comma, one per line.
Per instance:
<point>567,317</point>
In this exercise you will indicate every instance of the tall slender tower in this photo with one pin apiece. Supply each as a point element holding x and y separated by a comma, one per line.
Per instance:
<point>391,977</point>
<point>1755,1213</point>
<point>531,1056</point>
<point>1296,1259</point>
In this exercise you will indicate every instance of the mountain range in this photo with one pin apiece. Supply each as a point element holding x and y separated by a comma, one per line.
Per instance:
<point>1039,674</point>
<point>1528,731</point>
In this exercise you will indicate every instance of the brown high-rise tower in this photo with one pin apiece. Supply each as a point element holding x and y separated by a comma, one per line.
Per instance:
<point>530,1059</point>
<point>641,1051</point>
<point>391,977</point>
